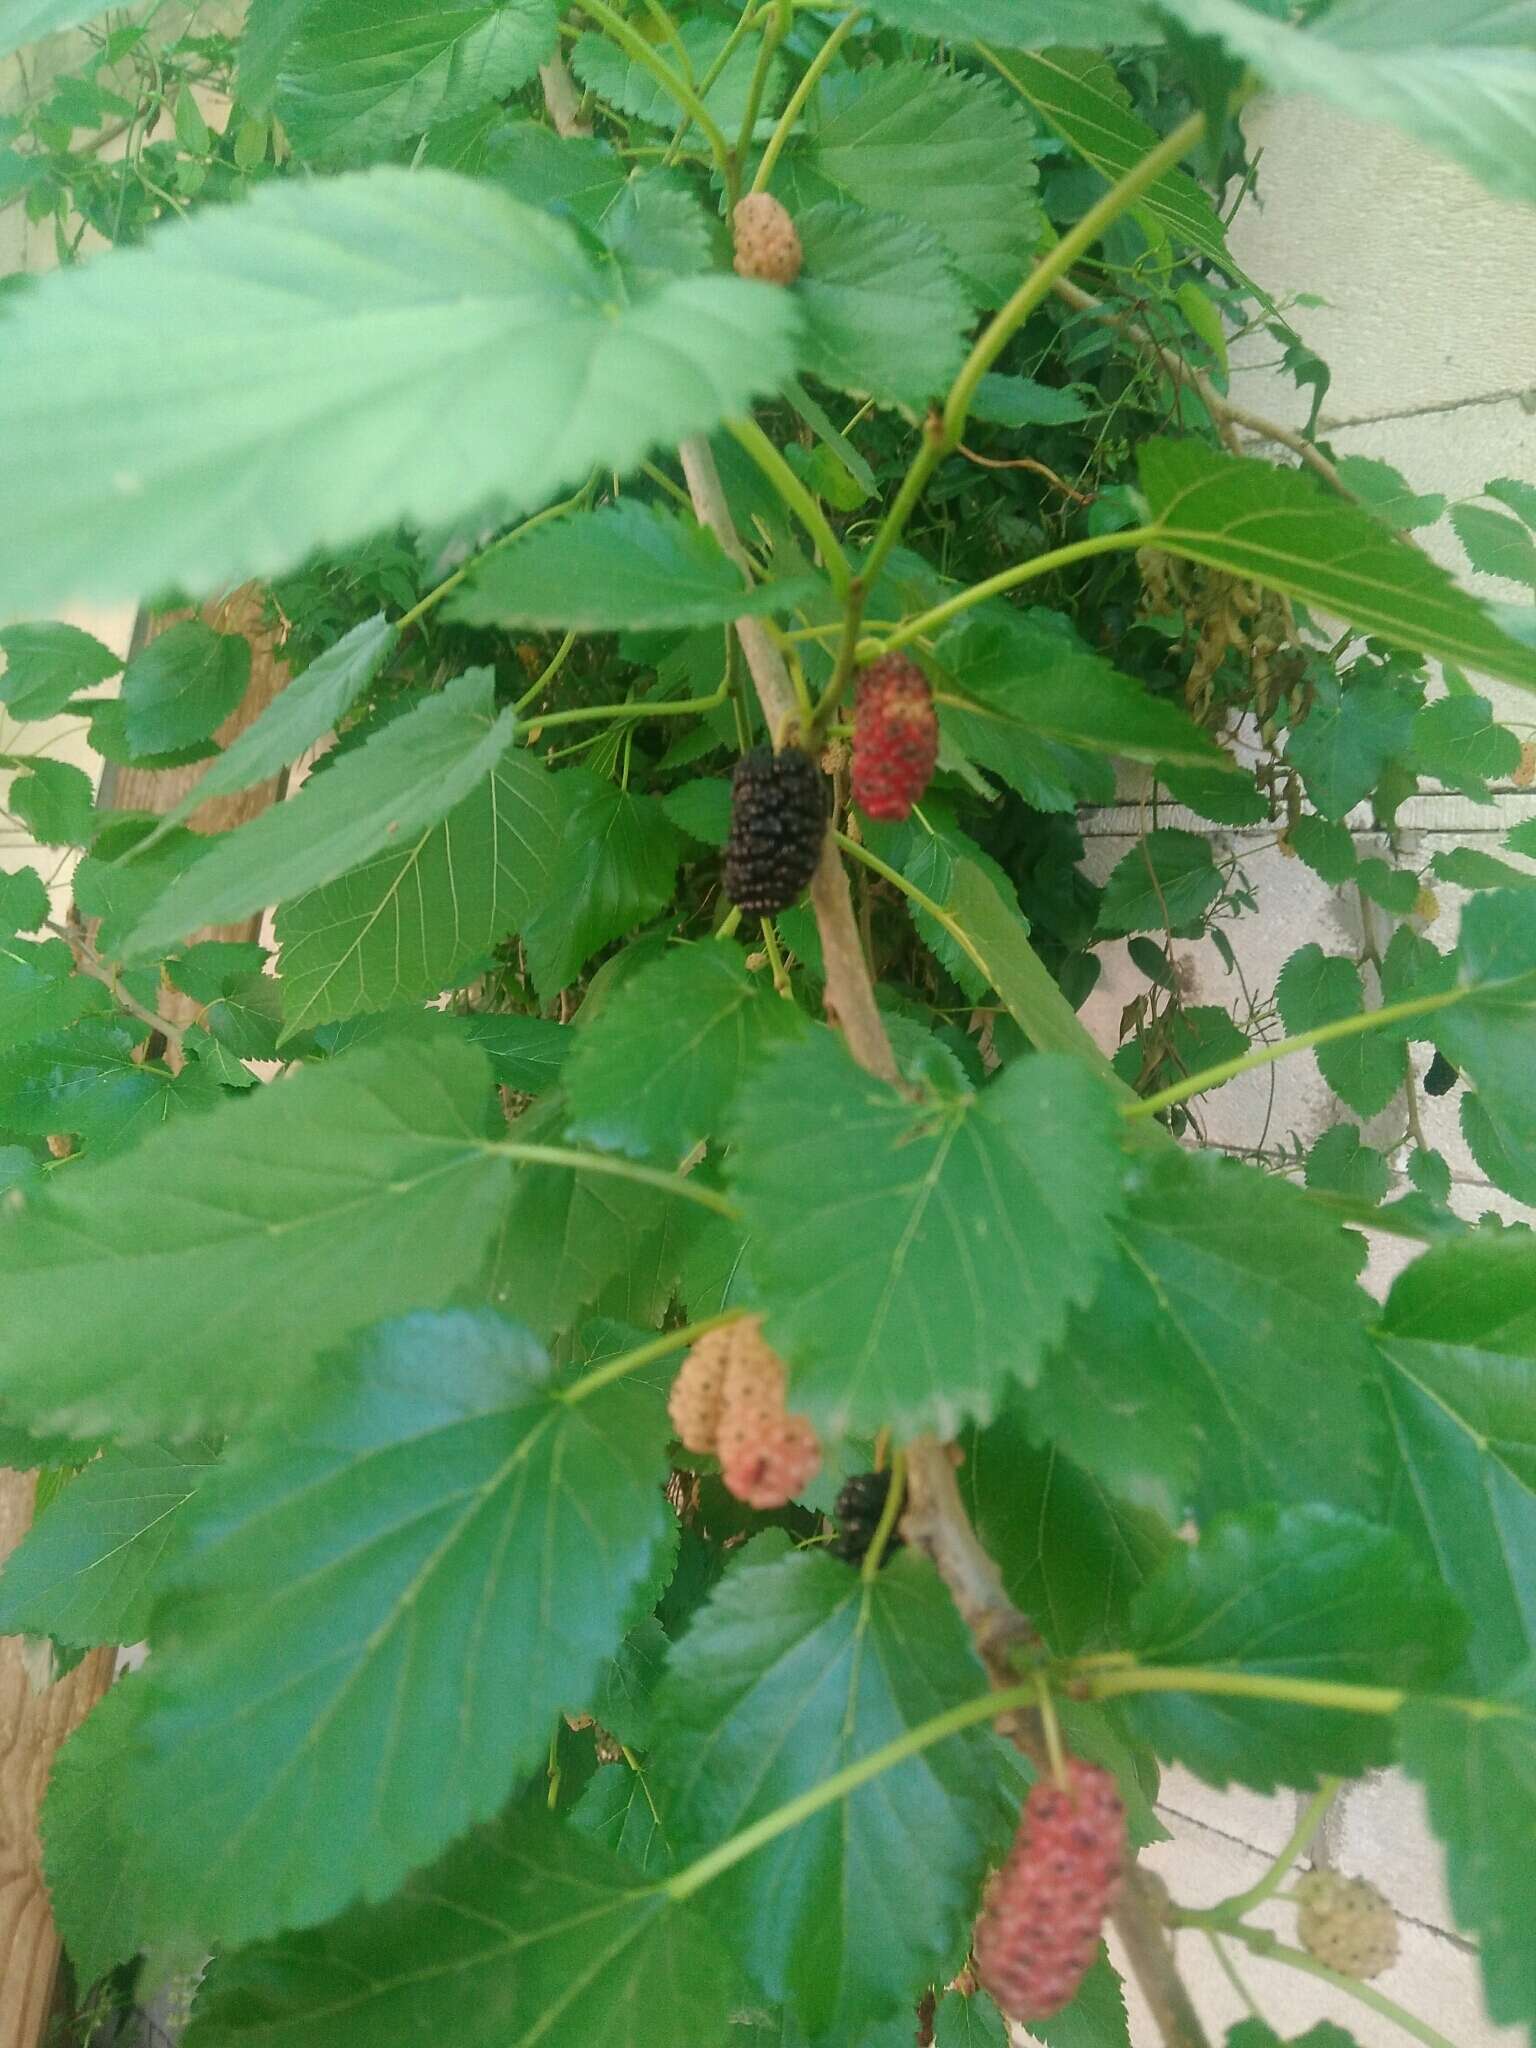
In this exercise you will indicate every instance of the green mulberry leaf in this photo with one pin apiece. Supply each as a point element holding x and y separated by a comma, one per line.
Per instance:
<point>363,75</point>
<point>967,1226</point>
<point>46,665</point>
<point>87,1570</point>
<point>385,345</point>
<point>1315,988</point>
<point>884,315</point>
<point>1281,528</point>
<point>794,1669</point>
<point>423,916</point>
<point>1224,1358</point>
<point>629,567</point>
<point>661,1065</point>
<point>436,1506</point>
<point>406,777</point>
<point>236,1247</point>
<point>526,1925</point>
<point>1479,1776</point>
<point>1299,1592</point>
<point>952,152</point>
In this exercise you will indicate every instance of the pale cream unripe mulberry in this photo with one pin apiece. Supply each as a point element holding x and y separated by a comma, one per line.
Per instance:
<point>767,246</point>
<point>729,1398</point>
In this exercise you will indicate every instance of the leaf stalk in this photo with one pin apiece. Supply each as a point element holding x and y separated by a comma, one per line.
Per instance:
<point>642,1355</point>
<point>616,1169</point>
<point>1282,1048</point>
<point>969,1714</point>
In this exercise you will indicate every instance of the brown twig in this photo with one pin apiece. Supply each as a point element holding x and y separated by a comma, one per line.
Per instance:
<point>1026,462</point>
<point>90,962</point>
<point>1138,1922</point>
<point>850,993</point>
<point>562,98</point>
<point>770,677</point>
<point>1225,414</point>
<point>936,1521</point>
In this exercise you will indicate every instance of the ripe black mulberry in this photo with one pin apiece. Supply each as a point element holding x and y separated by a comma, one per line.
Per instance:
<point>857,1513</point>
<point>778,822</point>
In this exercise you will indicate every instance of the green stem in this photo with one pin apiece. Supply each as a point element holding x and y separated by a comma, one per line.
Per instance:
<point>1263,1943</point>
<point>1265,1055</point>
<point>1240,1904</point>
<point>1250,1685</point>
<point>545,676</point>
<point>749,436</point>
<point>928,622</point>
<point>669,31</point>
<point>1233,1976</point>
<point>435,596</point>
<point>910,890</point>
<point>646,1354</point>
<point>969,1714</point>
<point>847,655</point>
<point>774,31</point>
<point>890,1514</point>
<point>678,708</point>
<point>943,434</point>
<point>780,973</point>
<point>1075,243</point>
<point>1050,1728</point>
<point>616,1169</point>
<point>784,126</point>
<point>663,482</point>
<point>1029,994</point>
<point>645,55</point>
<point>913,484</point>
<point>728,50</point>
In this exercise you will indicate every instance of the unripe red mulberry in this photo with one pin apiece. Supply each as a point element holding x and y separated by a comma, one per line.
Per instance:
<point>767,246</point>
<point>1045,1909</point>
<point>694,1402</point>
<point>778,823</point>
<point>895,737</point>
<point>1346,1923</point>
<point>770,1466</point>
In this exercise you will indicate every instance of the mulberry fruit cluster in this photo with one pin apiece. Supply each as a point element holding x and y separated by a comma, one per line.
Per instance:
<point>857,1511</point>
<point>778,822</point>
<point>1346,1923</point>
<point>895,738</point>
<point>1045,1909</point>
<point>729,1397</point>
<point>767,246</point>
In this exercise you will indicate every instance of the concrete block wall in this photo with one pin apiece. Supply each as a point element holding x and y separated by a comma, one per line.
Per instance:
<point>1429,327</point>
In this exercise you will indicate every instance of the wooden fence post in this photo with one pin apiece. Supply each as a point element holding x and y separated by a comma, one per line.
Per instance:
<point>33,1724</point>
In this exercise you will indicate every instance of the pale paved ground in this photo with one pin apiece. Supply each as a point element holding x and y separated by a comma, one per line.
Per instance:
<point>1223,1842</point>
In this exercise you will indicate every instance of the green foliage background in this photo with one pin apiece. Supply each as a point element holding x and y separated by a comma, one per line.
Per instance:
<point>351,1386</point>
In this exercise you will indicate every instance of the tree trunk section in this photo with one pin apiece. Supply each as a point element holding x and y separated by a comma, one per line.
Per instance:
<point>32,1725</point>
<point>161,789</point>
